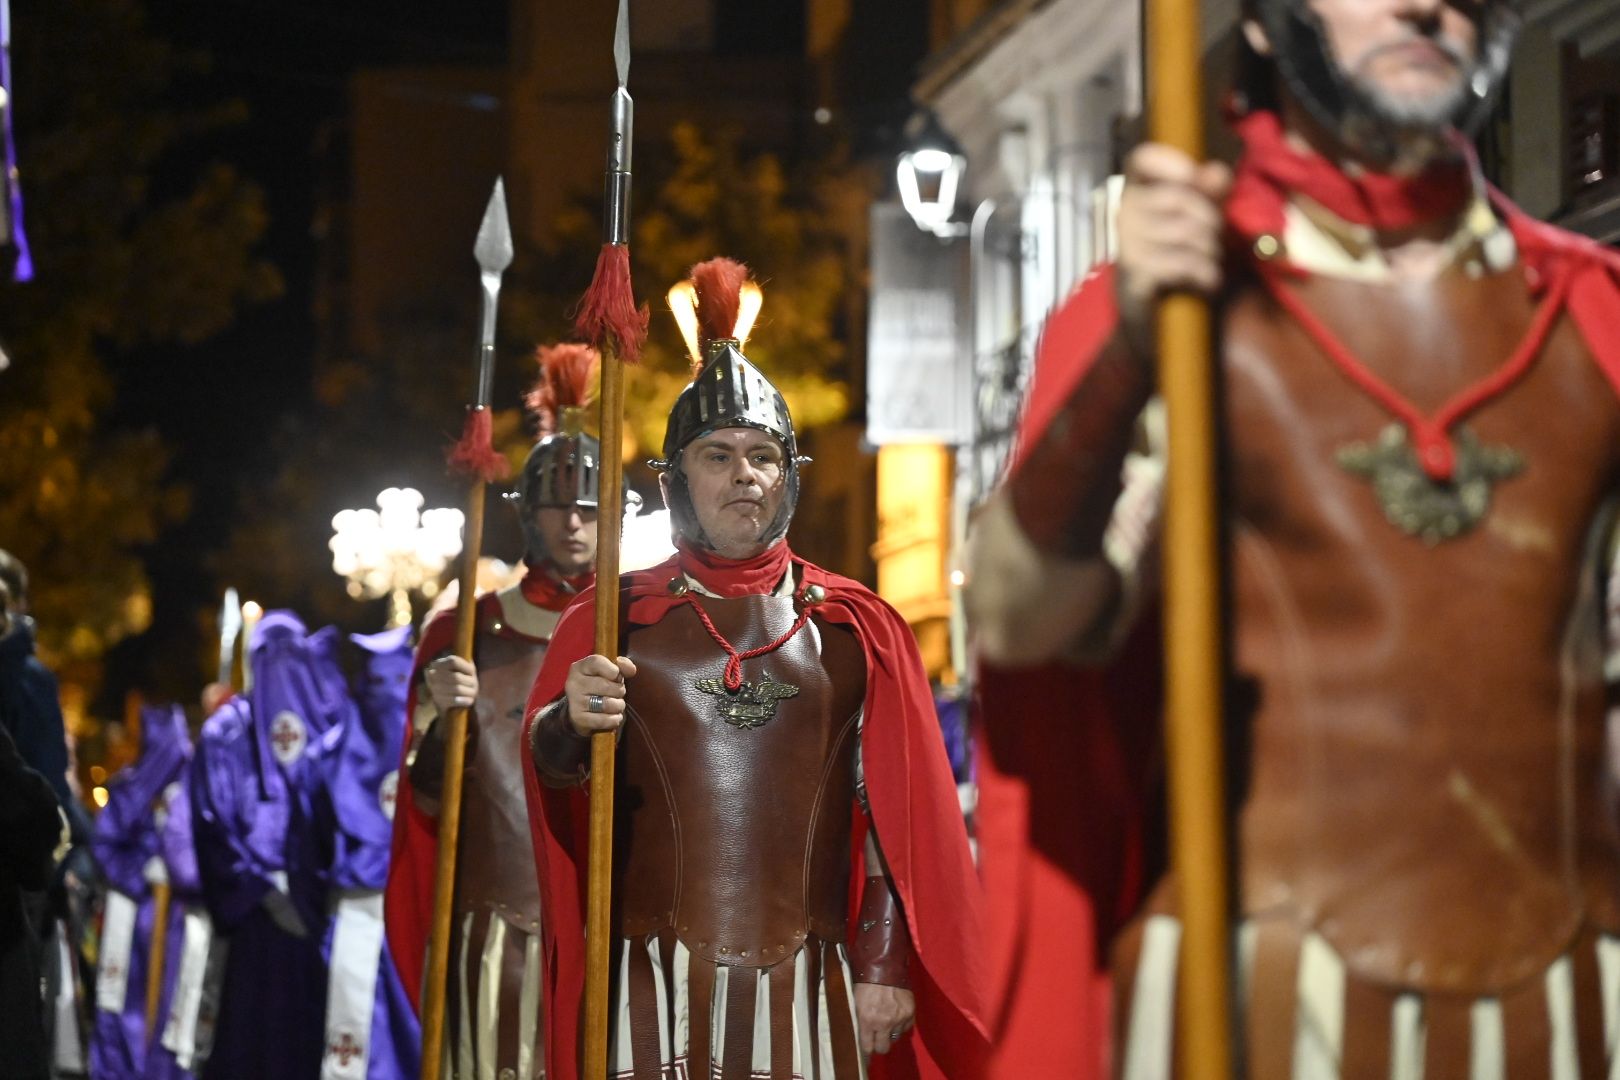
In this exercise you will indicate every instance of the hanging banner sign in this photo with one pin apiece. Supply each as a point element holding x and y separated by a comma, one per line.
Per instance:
<point>918,357</point>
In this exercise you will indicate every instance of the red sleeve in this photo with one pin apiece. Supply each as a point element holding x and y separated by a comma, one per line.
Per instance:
<point>408,896</point>
<point>1074,335</point>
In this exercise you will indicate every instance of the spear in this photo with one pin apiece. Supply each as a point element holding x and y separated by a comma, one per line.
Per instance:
<point>157,954</point>
<point>474,458</point>
<point>1192,590</point>
<point>609,319</point>
<point>230,627</point>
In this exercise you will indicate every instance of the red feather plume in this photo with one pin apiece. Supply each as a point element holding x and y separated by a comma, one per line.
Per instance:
<point>567,380</point>
<point>474,454</point>
<point>607,313</point>
<point>718,284</point>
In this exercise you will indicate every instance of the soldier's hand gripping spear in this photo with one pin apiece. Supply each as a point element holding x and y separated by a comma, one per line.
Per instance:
<point>474,457</point>
<point>609,319</point>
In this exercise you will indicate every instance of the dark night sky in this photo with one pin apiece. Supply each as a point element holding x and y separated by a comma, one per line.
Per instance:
<point>290,62</point>
<point>217,402</point>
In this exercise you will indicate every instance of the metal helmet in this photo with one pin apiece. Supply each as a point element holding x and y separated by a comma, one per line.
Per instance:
<point>564,467</point>
<point>1304,60</point>
<point>562,470</point>
<point>727,391</point>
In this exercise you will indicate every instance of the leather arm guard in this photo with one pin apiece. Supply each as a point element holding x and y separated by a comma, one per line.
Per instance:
<point>881,952</point>
<point>426,762</point>
<point>1064,489</point>
<point>561,757</point>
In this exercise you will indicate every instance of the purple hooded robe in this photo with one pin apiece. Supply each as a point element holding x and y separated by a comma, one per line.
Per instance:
<point>259,853</point>
<point>170,1056</point>
<point>371,1030</point>
<point>126,844</point>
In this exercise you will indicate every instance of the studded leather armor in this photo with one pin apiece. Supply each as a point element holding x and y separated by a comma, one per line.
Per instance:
<point>735,811</point>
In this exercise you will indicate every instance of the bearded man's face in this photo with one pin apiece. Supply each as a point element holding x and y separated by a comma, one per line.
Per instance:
<point>1409,61</point>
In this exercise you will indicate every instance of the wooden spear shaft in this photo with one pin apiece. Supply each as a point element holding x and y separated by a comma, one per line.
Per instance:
<point>156,956</point>
<point>604,743</point>
<point>1193,713</point>
<point>455,761</point>
<point>476,457</point>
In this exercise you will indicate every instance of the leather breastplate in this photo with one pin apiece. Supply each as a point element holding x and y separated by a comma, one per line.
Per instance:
<point>738,837</point>
<point>495,865</point>
<point>1426,783</point>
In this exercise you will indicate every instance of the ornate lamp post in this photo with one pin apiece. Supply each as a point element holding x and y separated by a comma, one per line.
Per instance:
<point>395,550</point>
<point>929,174</point>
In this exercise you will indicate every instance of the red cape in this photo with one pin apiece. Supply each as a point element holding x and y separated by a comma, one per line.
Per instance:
<point>1092,765</point>
<point>914,806</point>
<point>408,897</point>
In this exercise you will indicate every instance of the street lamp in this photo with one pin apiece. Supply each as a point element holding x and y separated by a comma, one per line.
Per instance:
<point>929,174</point>
<point>395,550</point>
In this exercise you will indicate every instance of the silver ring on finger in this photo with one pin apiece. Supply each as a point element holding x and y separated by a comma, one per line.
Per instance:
<point>594,703</point>
<point>894,1036</point>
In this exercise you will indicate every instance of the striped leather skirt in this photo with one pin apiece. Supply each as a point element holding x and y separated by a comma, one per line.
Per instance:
<point>1305,1017</point>
<point>493,1004</point>
<point>681,1016</point>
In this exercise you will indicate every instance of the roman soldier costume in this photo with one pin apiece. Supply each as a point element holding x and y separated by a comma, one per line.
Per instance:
<point>494,998</point>
<point>779,713</point>
<point>1419,474</point>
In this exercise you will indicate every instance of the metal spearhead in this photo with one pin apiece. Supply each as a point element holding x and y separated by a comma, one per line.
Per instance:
<point>230,626</point>
<point>621,43</point>
<point>493,250</point>
<point>621,133</point>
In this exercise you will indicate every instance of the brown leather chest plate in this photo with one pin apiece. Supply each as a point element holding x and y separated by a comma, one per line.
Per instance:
<point>1426,782</point>
<point>738,837</point>
<point>495,867</point>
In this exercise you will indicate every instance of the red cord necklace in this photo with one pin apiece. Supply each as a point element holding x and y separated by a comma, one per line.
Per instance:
<point>748,705</point>
<point>1432,476</point>
<point>734,659</point>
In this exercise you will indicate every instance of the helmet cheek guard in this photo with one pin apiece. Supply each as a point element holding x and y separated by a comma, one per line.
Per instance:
<point>728,392</point>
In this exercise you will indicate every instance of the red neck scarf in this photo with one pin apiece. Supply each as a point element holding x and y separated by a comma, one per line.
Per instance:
<point>1273,170</point>
<point>731,578</point>
<point>543,590</point>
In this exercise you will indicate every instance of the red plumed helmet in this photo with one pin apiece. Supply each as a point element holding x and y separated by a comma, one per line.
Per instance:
<point>562,469</point>
<point>567,384</point>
